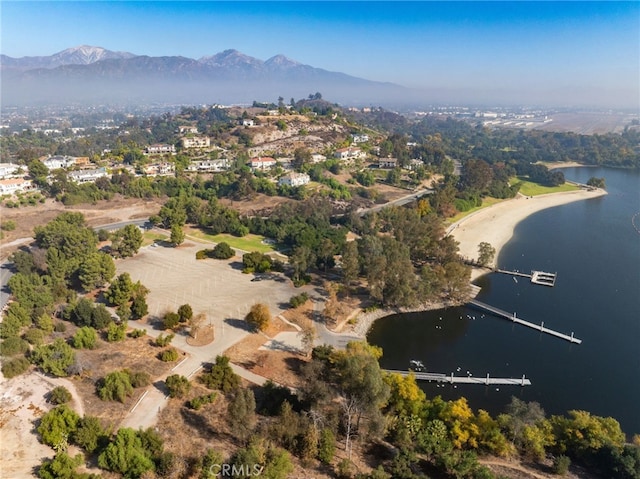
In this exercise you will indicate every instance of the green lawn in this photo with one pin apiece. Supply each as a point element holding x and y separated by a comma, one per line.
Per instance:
<point>533,189</point>
<point>249,242</point>
<point>488,201</point>
<point>149,237</point>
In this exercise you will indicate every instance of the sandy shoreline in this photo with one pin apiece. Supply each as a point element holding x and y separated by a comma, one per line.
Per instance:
<point>495,225</point>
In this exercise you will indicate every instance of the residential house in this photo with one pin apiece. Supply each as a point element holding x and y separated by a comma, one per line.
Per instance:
<point>15,185</point>
<point>186,129</point>
<point>159,169</point>
<point>349,153</point>
<point>196,142</point>
<point>209,165</point>
<point>160,149</point>
<point>87,176</point>
<point>9,169</point>
<point>247,122</point>
<point>318,158</point>
<point>414,164</point>
<point>294,179</point>
<point>360,138</point>
<point>285,163</point>
<point>262,163</point>
<point>57,162</point>
<point>387,163</point>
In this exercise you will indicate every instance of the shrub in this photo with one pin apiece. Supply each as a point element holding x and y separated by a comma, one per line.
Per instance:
<point>163,341</point>
<point>170,320</point>
<point>185,312</point>
<point>298,300</point>
<point>169,355</point>
<point>89,434</point>
<point>221,376</point>
<point>138,333</point>
<point>85,338</point>
<point>56,425</point>
<point>561,465</point>
<point>60,327</point>
<point>140,379</point>
<point>223,251</point>
<point>34,336</point>
<point>177,385</point>
<point>8,225</point>
<point>259,316</point>
<point>197,402</point>
<point>14,367</point>
<point>115,386</point>
<point>59,395</point>
<point>116,332</point>
<point>54,358</point>
<point>13,346</point>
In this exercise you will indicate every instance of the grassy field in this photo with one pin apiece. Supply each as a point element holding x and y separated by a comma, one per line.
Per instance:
<point>249,242</point>
<point>149,237</point>
<point>533,189</point>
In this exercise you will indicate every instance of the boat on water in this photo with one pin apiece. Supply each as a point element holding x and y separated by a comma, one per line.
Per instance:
<point>416,365</point>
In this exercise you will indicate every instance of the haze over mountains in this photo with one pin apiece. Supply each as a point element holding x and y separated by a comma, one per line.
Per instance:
<point>95,75</point>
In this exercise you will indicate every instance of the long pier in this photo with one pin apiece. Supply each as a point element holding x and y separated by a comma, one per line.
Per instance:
<point>451,379</point>
<point>513,318</point>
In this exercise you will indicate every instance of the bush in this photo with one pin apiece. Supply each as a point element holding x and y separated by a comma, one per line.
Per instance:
<point>8,225</point>
<point>561,465</point>
<point>89,434</point>
<point>185,313</point>
<point>56,425</point>
<point>259,316</point>
<point>223,251</point>
<point>163,341</point>
<point>85,338</point>
<point>54,358</point>
<point>115,386</point>
<point>170,320</point>
<point>197,402</point>
<point>116,332</point>
<point>298,300</point>
<point>59,395</point>
<point>13,346</point>
<point>177,385</point>
<point>138,333</point>
<point>169,355</point>
<point>140,379</point>
<point>14,367</point>
<point>34,336</point>
<point>60,327</point>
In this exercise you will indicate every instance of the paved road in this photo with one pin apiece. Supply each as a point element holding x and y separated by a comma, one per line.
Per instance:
<point>399,202</point>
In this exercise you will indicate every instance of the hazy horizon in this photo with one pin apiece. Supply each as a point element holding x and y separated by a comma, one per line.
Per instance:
<point>564,54</point>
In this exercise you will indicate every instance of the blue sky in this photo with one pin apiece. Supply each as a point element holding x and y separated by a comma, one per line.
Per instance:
<point>533,47</point>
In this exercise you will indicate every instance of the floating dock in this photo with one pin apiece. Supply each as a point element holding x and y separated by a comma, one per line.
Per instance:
<point>536,277</point>
<point>513,318</point>
<point>451,379</point>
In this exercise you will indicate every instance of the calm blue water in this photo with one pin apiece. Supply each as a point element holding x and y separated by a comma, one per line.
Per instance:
<point>595,249</point>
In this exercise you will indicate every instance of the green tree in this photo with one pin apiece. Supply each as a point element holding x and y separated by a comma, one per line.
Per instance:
<point>126,455</point>
<point>127,241</point>
<point>178,386</point>
<point>96,271</point>
<point>350,263</point>
<point>326,446</point>
<point>14,367</point>
<point>221,376</point>
<point>62,466</point>
<point>85,338</point>
<point>54,358</point>
<point>185,312</point>
<point>170,320</point>
<point>116,332</point>
<point>169,355</point>
<point>223,251</point>
<point>59,395</point>
<point>89,434</point>
<point>241,413</point>
<point>116,386</point>
<point>258,316</point>
<point>561,465</point>
<point>486,253</point>
<point>57,425</point>
<point>139,308</point>
<point>120,290</point>
<point>177,235</point>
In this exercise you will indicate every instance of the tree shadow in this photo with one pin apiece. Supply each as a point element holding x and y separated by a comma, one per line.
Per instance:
<point>162,387</point>
<point>238,324</point>
<point>237,265</point>
<point>295,364</point>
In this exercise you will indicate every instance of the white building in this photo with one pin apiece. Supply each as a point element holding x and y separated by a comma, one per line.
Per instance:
<point>387,163</point>
<point>160,149</point>
<point>15,185</point>
<point>196,142</point>
<point>247,122</point>
<point>57,162</point>
<point>360,138</point>
<point>186,129</point>
<point>160,169</point>
<point>318,158</point>
<point>209,165</point>
<point>349,153</point>
<point>294,179</point>
<point>262,163</point>
<point>87,176</point>
<point>9,169</point>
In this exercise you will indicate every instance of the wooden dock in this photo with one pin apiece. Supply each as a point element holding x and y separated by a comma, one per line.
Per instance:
<point>513,318</point>
<point>451,379</point>
<point>536,277</point>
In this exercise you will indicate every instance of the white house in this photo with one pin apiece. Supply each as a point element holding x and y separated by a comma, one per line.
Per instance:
<point>209,165</point>
<point>159,149</point>
<point>87,176</point>
<point>247,122</point>
<point>294,179</point>
<point>414,164</point>
<point>57,162</point>
<point>360,138</point>
<point>8,169</point>
<point>318,158</point>
<point>349,153</point>
<point>196,142</point>
<point>185,129</point>
<point>15,185</point>
<point>160,169</point>
<point>262,163</point>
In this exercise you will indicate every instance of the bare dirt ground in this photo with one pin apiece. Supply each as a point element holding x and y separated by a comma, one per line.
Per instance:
<point>588,123</point>
<point>102,212</point>
<point>260,203</point>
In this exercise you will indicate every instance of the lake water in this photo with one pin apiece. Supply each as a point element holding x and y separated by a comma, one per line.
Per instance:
<point>594,247</point>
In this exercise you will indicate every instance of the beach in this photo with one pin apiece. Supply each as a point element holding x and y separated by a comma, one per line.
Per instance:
<point>495,224</point>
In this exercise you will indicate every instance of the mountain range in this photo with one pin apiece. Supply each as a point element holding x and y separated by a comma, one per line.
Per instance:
<point>94,75</point>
